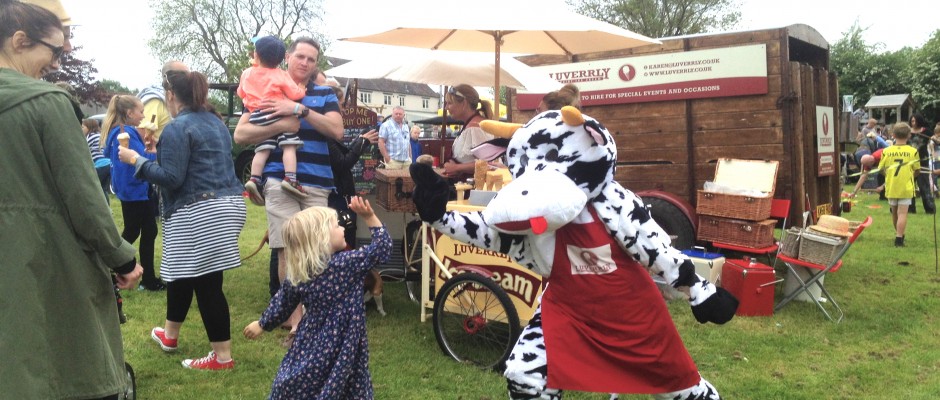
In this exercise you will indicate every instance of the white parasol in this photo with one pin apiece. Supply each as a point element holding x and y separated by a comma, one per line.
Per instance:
<point>514,27</point>
<point>449,68</point>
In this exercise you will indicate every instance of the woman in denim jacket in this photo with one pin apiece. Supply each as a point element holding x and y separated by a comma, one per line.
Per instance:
<point>203,213</point>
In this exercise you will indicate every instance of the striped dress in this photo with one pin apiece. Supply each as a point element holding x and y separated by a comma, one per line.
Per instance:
<point>202,238</point>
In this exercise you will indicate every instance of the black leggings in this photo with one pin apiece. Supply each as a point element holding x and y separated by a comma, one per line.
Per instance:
<point>140,222</point>
<point>213,307</point>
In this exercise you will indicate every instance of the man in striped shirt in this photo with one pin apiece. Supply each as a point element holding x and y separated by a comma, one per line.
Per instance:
<point>319,120</point>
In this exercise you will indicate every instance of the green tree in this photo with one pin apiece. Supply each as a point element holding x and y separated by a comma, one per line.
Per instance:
<point>663,18</point>
<point>866,70</point>
<point>79,74</point>
<point>114,87</point>
<point>213,35</point>
<point>854,61</point>
<point>925,77</point>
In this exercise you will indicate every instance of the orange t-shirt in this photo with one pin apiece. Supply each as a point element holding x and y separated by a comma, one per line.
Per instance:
<point>260,83</point>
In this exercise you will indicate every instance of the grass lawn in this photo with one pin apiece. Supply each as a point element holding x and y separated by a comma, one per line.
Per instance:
<point>886,348</point>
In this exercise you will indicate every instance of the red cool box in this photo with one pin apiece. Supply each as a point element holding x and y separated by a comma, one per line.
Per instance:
<point>753,285</point>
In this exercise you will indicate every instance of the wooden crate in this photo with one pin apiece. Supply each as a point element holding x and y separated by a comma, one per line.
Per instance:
<point>753,234</point>
<point>393,189</point>
<point>742,174</point>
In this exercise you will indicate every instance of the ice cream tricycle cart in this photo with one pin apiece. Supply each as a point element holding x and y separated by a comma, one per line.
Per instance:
<point>478,299</point>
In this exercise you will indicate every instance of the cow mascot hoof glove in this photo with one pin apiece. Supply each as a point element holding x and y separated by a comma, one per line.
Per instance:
<point>602,325</point>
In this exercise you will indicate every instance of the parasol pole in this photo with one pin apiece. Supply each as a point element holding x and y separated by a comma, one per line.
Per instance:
<point>498,38</point>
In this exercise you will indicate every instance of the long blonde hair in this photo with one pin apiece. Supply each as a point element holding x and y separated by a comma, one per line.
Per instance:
<point>307,243</point>
<point>117,113</point>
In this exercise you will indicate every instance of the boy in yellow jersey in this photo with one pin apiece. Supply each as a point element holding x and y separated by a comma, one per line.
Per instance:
<point>899,164</point>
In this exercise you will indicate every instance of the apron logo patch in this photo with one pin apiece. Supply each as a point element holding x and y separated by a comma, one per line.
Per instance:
<point>592,261</point>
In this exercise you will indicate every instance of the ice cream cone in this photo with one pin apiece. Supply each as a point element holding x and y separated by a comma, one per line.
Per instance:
<point>123,138</point>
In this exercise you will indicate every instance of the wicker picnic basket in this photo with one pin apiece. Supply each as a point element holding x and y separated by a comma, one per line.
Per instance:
<point>790,245</point>
<point>753,234</point>
<point>393,189</point>
<point>819,248</point>
<point>746,174</point>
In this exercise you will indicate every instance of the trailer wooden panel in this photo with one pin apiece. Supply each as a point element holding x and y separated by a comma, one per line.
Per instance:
<point>674,145</point>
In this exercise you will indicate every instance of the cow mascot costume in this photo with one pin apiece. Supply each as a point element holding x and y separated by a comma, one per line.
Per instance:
<point>602,324</point>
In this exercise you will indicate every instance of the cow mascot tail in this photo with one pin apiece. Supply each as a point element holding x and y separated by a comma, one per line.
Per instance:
<point>602,325</point>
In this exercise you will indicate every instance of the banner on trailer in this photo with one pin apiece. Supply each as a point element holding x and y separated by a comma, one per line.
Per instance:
<point>723,72</point>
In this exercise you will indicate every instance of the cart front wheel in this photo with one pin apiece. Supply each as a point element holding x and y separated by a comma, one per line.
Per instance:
<point>475,321</point>
<point>411,249</point>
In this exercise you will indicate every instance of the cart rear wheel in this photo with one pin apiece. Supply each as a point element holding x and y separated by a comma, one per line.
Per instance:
<point>475,321</point>
<point>673,221</point>
<point>130,388</point>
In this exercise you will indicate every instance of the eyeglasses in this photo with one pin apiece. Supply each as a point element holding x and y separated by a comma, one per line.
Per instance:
<point>453,91</point>
<point>57,51</point>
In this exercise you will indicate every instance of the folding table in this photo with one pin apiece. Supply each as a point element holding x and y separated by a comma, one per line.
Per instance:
<point>814,279</point>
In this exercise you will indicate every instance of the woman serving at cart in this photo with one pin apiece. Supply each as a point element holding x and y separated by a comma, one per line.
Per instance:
<point>464,103</point>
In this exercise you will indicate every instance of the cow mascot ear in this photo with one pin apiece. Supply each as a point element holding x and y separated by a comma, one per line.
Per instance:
<point>431,192</point>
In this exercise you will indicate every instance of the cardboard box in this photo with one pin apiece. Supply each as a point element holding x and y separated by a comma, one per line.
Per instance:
<point>752,283</point>
<point>707,265</point>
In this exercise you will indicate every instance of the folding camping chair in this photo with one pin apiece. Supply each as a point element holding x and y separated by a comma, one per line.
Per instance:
<point>814,279</point>
<point>779,209</point>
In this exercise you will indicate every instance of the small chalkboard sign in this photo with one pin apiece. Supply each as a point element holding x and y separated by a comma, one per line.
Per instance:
<point>357,121</point>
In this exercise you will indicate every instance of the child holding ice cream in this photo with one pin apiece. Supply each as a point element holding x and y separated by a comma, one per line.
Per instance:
<point>124,114</point>
<point>265,81</point>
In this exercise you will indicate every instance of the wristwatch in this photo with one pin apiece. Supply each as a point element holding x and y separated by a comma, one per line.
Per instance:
<point>305,112</point>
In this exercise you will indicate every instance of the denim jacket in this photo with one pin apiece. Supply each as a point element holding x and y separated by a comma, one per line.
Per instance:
<point>194,162</point>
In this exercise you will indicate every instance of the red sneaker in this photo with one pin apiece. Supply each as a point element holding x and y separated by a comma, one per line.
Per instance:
<point>159,336</point>
<point>209,362</point>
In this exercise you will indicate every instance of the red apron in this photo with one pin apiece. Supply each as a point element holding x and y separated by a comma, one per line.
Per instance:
<point>607,328</point>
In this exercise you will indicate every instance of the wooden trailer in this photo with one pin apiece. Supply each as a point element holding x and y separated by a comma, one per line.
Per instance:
<point>675,109</point>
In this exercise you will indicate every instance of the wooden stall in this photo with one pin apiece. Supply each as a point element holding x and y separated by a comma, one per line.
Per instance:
<point>672,142</point>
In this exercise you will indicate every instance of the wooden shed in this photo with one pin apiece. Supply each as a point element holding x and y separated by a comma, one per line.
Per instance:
<point>671,133</point>
<point>891,108</point>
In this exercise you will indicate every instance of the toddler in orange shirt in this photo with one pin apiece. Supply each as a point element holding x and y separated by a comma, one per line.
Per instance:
<point>265,81</point>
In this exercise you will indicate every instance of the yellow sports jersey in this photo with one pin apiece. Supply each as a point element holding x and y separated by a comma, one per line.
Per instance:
<point>898,164</point>
<point>155,109</point>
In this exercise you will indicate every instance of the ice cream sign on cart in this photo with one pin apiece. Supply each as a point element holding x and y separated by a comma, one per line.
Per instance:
<point>522,285</point>
<point>723,72</point>
<point>825,142</point>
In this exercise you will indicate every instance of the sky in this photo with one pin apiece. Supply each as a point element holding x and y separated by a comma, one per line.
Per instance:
<point>115,32</point>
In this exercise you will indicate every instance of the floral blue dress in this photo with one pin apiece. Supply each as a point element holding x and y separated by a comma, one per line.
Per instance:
<point>329,359</point>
